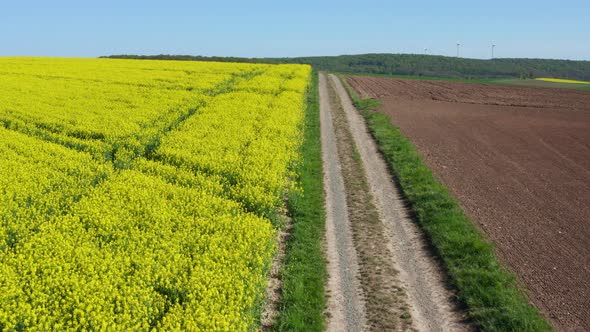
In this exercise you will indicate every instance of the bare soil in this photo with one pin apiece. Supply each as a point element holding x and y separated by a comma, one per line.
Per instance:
<point>518,160</point>
<point>274,286</point>
<point>469,93</point>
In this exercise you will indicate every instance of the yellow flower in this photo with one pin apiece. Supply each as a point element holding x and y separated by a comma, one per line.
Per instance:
<point>137,195</point>
<point>559,80</point>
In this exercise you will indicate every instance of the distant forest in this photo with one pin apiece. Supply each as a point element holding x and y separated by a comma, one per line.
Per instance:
<point>415,64</point>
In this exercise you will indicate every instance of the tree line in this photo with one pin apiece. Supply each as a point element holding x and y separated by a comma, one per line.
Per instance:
<point>415,64</point>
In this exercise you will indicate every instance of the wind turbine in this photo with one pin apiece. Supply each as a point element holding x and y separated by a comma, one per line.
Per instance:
<point>493,46</point>
<point>458,45</point>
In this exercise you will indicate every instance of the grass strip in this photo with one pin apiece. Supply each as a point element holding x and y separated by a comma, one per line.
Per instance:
<point>494,300</point>
<point>304,273</point>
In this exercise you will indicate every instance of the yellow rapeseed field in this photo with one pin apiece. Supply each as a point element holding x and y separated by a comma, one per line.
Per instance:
<point>560,80</point>
<point>139,195</point>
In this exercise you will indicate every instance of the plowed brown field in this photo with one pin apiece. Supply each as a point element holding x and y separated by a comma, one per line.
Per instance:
<point>518,160</point>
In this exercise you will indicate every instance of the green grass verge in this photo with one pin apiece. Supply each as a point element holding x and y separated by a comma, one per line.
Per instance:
<point>493,298</point>
<point>304,274</point>
<point>366,104</point>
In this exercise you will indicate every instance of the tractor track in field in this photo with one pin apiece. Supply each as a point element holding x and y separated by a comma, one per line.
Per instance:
<point>382,276</point>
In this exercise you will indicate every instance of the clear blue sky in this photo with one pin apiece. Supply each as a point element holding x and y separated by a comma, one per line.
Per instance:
<point>520,28</point>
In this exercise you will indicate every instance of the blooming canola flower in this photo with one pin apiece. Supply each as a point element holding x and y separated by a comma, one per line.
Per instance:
<point>140,195</point>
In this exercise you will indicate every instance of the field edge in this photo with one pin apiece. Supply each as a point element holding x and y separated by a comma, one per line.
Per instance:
<point>529,82</point>
<point>304,271</point>
<point>492,296</point>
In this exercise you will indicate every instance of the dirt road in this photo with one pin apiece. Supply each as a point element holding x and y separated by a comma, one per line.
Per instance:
<point>518,160</point>
<point>345,307</point>
<point>381,276</point>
